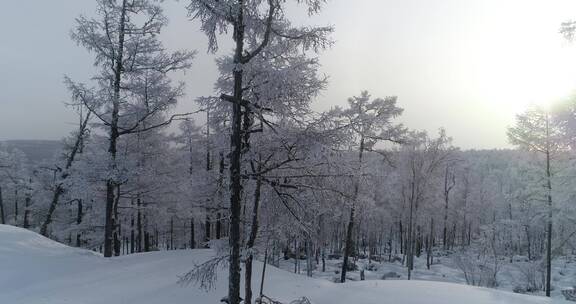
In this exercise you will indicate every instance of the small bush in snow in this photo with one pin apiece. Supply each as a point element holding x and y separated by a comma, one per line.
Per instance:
<point>390,275</point>
<point>533,276</point>
<point>481,270</point>
<point>396,259</point>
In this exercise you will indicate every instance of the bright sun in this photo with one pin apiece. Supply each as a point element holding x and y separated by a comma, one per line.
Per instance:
<point>539,81</point>
<point>510,76</point>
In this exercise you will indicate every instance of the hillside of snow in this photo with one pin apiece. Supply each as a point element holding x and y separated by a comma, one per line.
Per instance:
<point>36,270</point>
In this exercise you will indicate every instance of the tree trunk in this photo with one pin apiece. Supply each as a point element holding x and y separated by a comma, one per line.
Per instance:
<point>308,257</point>
<point>147,241</point>
<point>295,255</point>
<point>109,226</point>
<point>207,226</point>
<point>401,236</point>
<point>132,235</point>
<point>79,212</point>
<point>116,223</point>
<point>549,224</point>
<point>171,233</point>
<point>59,189</point>
<point>429,245</point>
<point>263,272</point>
<point>349,245</point>
<point>220,194</point>
<point>27,201</point>
<point>192,240</point>
<point>16,206</point>
<point>448,185</point>
<point>410,241</point>
<point>529,242</point>
<point>140,234</point>
<point>2,215</point>
<point>323,260</point>
<point>348,248</point>
<point>251,241</point>
<point>218,225</point>
<point>234,238</point>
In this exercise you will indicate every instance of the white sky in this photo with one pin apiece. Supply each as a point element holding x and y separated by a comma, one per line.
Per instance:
<point>466,65</point>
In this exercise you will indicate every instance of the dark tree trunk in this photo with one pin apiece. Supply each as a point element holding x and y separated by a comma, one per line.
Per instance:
<point>234,237</point>
<point>410,241</point>
<point>221,169</point>
<point>79,212</point>
<point>349,230</point>
<point>323,260</point>
<point>140,240</point>
<point>207,227</point>
<point>192,240</point>
<point>59,189</point>
<point>401,237</point>
<point>16,206</point>
<point>263,272</point>
<point>349,246</point>
<point>429,245</point>
<point>528,242</point>
<point>549,223</point>
<point>132,235</point>
<point>27,201</point>
<point>171,233</point>
<point>110,225</point>
<point>449,182</point>
<point>2,215</point>
<point>147,241</point>
<point>55,198</point>
<point>116,223</point>
<point>251,241</point>
<point>218,225</point>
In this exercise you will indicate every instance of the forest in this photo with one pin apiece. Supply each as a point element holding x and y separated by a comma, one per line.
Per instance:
<point>256,175</point>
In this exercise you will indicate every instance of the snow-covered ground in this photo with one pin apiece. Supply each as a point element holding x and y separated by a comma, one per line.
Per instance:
<point>510,276</point>
<point>35,270</point>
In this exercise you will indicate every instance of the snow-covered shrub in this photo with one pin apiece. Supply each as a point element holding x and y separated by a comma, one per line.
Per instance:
<point>334,256</point>
<point>266,300</point>
<point>302,300</point>
<point>396,259</point>
<point>533,276</point>
<point>349,267</point>
<point>478,270</point>
<point>390,275</point>
<point>569,294</point>
<point>371,267</point>
<point>520,259</point>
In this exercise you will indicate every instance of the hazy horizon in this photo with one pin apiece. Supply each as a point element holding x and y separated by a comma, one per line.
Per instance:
<point>468,66</point>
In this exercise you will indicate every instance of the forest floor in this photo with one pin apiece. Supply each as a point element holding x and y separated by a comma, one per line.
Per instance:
<point>512,275</point>
<point>36,270</point>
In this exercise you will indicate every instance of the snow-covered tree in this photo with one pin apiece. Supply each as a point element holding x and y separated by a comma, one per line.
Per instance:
<point>536,131</point>
<point>254,24</point>
<point>367,122</point>
<point>132,87</point>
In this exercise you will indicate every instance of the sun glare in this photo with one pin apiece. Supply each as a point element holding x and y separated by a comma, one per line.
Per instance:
<point>528,80</point>
<point>513,70</point>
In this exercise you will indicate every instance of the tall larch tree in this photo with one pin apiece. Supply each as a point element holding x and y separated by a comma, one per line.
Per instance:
<point>253,24</point>
<point>536,130</point>
<point>132,86</point>
<point>367,121</point>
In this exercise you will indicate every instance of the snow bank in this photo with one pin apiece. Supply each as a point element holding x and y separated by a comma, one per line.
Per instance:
<point>36,270</point>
